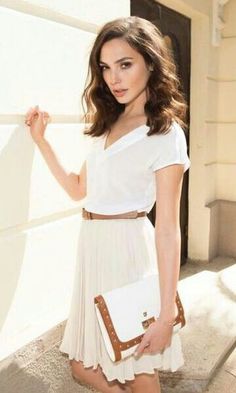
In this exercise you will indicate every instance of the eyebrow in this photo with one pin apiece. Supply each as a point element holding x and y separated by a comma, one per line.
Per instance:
<point>117,61</point>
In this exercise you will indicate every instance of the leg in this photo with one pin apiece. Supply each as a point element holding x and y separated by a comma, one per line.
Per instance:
<point>96,379</point>
<point>148,383</point>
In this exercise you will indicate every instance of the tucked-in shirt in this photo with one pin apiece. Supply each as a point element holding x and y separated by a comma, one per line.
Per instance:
<point>121,178</point>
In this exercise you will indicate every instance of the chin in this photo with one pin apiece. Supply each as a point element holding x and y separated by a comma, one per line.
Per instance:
<point>122,101</point>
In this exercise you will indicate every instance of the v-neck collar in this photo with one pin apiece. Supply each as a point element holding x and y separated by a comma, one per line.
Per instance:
<point>121,139</point>
<point>124,141</point>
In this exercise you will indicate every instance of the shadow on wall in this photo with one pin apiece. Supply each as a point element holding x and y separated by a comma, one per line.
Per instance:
<point>16,159</point>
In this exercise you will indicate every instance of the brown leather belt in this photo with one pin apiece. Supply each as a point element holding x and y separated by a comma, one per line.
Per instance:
<point>91,216</point>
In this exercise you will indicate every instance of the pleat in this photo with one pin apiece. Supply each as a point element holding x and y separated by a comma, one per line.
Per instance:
<point>110,254</point>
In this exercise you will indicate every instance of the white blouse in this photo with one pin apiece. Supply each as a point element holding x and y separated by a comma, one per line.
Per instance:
<point>121,178</point>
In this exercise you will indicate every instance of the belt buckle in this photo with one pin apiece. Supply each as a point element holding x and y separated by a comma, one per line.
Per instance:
<point>87,215</point>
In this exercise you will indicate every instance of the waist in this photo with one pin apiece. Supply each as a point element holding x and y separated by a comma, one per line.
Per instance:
<point>87,215</point>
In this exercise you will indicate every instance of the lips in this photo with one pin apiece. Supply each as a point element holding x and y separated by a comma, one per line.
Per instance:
<point>119,92</point>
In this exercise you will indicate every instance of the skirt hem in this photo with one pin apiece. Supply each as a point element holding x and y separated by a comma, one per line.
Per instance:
<point>111,378</point>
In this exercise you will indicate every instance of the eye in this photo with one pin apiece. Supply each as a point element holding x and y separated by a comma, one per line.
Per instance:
<point>102,67</point>
<point>126,64</point>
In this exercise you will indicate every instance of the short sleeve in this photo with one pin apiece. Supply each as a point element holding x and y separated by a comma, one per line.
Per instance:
<point>170,148</point>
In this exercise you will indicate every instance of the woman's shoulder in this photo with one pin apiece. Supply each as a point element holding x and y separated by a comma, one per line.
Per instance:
<point>173,134</point>
<point>174,130</point>
<point>169,148</point>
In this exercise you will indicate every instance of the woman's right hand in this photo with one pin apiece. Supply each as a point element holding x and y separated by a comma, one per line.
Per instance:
<point>37,120</point>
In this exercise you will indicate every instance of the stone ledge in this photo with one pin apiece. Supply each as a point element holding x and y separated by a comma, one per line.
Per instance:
<point>209,334</point>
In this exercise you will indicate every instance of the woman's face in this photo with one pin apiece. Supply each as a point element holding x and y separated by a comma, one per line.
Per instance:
<point>124,71</point>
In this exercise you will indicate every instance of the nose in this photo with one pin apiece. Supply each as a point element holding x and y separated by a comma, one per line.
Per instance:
<point>114,77</point>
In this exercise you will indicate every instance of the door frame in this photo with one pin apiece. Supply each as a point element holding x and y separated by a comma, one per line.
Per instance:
<point>198,214</point>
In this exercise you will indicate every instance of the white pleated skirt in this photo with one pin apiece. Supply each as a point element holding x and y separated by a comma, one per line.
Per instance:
<point>112,253</point>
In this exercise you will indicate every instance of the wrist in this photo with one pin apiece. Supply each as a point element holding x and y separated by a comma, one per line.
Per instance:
<point>167,317</point>
<point>40,142</point>
<point>166,321</point>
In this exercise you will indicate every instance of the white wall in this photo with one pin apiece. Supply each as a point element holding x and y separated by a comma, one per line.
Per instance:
<point>221,116</point>
<point>212,125</point>
<point>44,53</point>
<point>226,119</point>
<point>220,131</point>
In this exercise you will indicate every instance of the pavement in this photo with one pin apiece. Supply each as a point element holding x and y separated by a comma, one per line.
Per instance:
<point>225,379</point>
<point>207,292</point>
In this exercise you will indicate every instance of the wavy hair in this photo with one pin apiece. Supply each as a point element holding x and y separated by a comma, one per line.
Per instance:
<point>165,101</point>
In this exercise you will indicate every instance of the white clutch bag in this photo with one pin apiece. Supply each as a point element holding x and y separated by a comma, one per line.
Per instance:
<point>125,313</point>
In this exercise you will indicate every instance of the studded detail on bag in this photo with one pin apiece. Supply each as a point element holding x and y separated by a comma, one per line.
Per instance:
<point>120,346</point>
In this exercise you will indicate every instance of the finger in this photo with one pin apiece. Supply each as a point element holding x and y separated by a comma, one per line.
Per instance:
<point>30,119</point>
<point>30,114</point>
<point>149,349</point>
<point>46,118</point>
<point>34,117</point>
<point>45,115</point>
<point>31,111</point>
<point>143,345</point>
<point>43,118</point>
<point>27,118</point>
<point>146,350</point>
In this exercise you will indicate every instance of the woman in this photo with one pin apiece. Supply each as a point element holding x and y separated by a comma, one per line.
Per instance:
<point>138,156</point>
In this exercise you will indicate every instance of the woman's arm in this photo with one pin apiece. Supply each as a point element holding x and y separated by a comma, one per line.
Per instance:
<point>72,183</point>
<point>168,244</point>
<point>168,235</point>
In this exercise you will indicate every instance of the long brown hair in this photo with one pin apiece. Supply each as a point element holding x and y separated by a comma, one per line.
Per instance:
<point>165,101</point>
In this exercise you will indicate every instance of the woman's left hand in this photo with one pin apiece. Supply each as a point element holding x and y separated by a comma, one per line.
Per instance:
<point>157,337</point>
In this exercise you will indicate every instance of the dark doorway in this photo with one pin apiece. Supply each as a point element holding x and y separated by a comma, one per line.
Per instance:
<point>176,29</point>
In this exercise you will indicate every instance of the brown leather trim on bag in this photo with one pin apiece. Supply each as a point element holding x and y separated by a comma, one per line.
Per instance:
<point>119,346</point>
<point>180,317</point>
